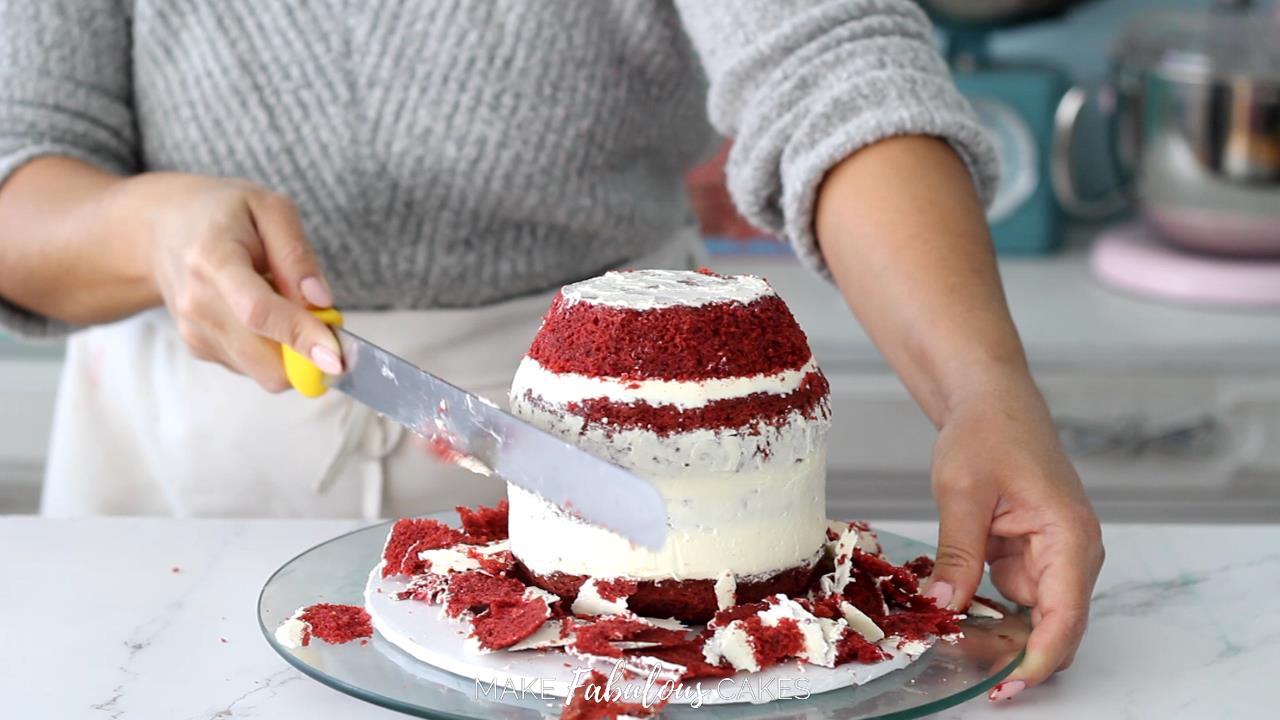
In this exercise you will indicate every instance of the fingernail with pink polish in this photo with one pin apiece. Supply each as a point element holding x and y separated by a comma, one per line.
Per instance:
<point>326,359</point>
<point>941,592</point>
<point>316,292</point>
<point>1006,690</point>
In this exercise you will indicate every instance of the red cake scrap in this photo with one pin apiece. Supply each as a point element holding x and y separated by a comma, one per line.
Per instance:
<point>613,590</point>
<point>593,700</point>
<point>919,624</point>
<point>771,644</point>
<point>410,536</point>
<point>736,612</point>
<point>335,624</point>
<point>852,647</point>
<point>507,622</point>
<point>499,563</point>
<point>425,588</point>
<point>687,655</point>
<point>475,590</point>
<point>594,637</point>
<point>898,585</point>
<point>483,525</point>
<point>863,592</point>
<point>921,567</point>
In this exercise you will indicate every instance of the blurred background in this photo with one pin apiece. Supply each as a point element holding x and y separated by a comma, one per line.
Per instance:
<point>1138,226</point>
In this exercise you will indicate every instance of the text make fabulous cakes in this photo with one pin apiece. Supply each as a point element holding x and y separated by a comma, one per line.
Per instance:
<point>706,385</point>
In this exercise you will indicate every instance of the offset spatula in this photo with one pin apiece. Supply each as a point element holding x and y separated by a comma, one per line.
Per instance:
<point>477,435</point>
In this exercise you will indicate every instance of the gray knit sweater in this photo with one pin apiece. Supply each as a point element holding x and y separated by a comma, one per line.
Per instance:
<point>449,153</point>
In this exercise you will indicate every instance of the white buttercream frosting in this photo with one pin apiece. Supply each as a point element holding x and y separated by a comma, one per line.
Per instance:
<point>291,632</point>
<point>653,289</point>
<point>726,588</point>
<point>457,558</point>
<point>820,637</point>
<point>737,450</point>
<point>747,501</point>
<point>560,389</point>
<point>590,602</point>
<point>748,524</point>
<point>861,623</point>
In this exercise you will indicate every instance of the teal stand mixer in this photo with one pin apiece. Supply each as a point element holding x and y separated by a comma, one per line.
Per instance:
<point>1017,104</point>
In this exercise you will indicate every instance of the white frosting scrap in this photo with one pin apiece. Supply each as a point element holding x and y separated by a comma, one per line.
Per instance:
<point>590,602</point>
<point>861,623</point>
<point>848,538</point>
<point>734,644</point>
<point>980,609</point>
<point>819,648</point>
<point>726,588</point>
<point>652,289</point>
<point>291,632</point>
<point>731,644</point>
<point>457,558</point>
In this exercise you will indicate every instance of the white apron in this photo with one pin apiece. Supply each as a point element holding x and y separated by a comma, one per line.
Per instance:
<point>143,428</point>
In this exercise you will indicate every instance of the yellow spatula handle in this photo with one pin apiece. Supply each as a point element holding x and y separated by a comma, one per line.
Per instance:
<point>303,374</point>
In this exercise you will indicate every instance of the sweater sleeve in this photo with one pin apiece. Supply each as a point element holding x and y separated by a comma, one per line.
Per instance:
<point>65,89</point>
<point>802,84</point>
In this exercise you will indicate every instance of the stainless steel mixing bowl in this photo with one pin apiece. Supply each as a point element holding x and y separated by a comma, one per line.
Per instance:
<point>1194,106</point>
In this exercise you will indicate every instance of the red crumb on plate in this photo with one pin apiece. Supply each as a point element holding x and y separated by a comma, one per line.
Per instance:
<point>336,624</point>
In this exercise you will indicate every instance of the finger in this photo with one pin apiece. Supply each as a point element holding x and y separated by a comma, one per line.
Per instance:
<point>258,308</point>
<point>257,358</point>
<point>965,512</point>
<point>1061,616</point>
<point>294,267</point>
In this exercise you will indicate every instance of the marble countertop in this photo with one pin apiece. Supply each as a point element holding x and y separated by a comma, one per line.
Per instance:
<point>126,619</point>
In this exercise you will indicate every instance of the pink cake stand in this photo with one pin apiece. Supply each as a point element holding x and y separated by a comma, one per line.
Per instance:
<point>1132,258</point>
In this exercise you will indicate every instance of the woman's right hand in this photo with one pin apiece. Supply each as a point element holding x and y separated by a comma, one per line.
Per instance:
<point>236,272</point>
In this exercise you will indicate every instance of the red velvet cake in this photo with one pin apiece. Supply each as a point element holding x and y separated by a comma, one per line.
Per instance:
<point>705,384</point>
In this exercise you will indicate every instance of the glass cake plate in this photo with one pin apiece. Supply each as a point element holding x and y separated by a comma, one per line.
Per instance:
<point>335,571</point>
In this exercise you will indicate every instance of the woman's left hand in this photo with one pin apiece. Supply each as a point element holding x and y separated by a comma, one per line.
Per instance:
<point>1007,495</point>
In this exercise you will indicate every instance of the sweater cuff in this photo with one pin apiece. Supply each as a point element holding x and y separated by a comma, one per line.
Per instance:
<point>889,104</point>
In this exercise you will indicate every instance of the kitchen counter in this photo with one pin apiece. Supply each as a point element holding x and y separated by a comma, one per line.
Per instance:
<point>130,619</point>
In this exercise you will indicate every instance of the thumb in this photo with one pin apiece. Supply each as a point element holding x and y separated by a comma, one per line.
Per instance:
<point>295,269</point>
<point>964,526</point>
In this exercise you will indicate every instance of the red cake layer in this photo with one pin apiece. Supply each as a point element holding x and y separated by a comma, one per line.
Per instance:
<point>691,601</point>
<point>753,412</point>
<point>718,340</point>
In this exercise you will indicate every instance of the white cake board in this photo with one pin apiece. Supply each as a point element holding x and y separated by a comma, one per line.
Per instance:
<point>422,631</point>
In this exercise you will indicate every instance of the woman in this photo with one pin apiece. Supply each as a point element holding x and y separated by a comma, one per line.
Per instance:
<point>184,179</point>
